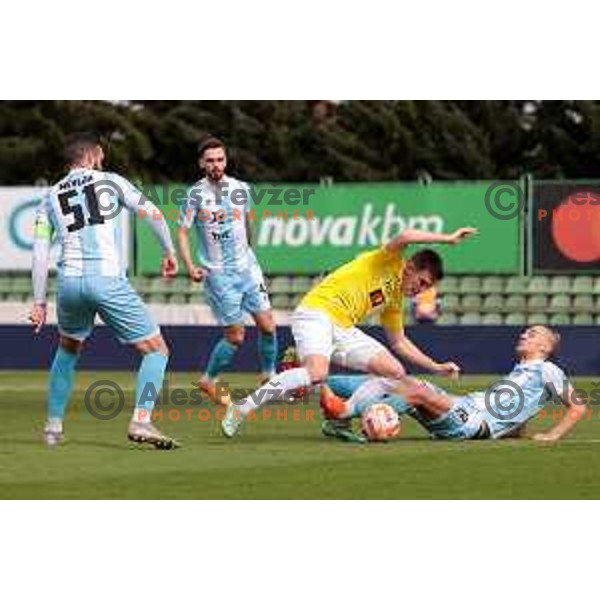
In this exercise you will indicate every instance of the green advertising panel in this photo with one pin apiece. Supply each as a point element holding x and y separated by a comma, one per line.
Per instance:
<point>311,230</point>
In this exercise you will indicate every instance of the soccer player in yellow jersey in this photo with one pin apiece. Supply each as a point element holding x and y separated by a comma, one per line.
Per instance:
<point>325,329</point>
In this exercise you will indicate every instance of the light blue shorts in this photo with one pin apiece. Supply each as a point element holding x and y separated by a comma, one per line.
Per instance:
<point>232,294</point>
<point>79,299</point>
<point>464,421</point>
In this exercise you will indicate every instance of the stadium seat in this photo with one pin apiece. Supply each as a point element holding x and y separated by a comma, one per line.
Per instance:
<point>280,301</point>
<point>515,318</point>
<point>584,304</point>
<point>447,319</point>
<point>583,319</point>
<point>493,303</point>
<point>493,285</point>
<point>470,303</point>
<point>142,284</point>
<point>21,289</point>
<point>470,318</point>
<point>492,319</point>
<point>178,299</point>
<point>597,286</point>
<point>156,285</point>
<point>582,284</point>
<point>450,303</point>
<point>561,303</point>
<point>5,286</point>
<point>515,303</point>
<point>295,300</point>
<point>158,298</point>
<point>538,285</point>
<point>281,285</point>
<point>560,319</point>
<point>537,319</point>
<point>560,285</point>
<point>537,303</point>
<point>449,285</point>
<point>301,285</point>
<point>470,285</point>
<point>516,285</point>
<point>182,285</point>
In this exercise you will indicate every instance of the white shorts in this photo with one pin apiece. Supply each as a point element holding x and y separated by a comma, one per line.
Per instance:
<point>315,333</point>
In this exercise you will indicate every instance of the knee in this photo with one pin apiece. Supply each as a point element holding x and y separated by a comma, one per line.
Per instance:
<point>70,345</point>
<point>156,344</point>
<point>268,329</point>
<point>416,395</point>
<point>235,336</point>
<point>317,373</point>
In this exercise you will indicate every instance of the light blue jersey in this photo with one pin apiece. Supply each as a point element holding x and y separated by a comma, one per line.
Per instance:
<point>83,211</point>
<point>234,285</point>
<point>218,213</point>
<point>518,397</point>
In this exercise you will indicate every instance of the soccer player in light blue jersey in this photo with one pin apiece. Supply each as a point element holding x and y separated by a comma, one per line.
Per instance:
<point>500,411</point>
<point>92,281</point>
<point>217,208</point>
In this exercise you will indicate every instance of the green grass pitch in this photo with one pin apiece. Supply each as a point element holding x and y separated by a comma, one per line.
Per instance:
<point>274,458</point>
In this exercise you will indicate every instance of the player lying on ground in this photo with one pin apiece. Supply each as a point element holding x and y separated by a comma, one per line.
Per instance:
<point>324,325</point>
<point>233,281</point>
<point>91,280</point>
<point>500,411</point>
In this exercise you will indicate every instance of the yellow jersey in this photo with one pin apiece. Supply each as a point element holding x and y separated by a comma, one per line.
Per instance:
<point>368,284</point>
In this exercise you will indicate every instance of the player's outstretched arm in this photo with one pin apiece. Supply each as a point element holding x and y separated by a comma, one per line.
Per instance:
<point>42,236</point>
<point>416,236</point>
<point>410,352</point>
<point>575,410</point>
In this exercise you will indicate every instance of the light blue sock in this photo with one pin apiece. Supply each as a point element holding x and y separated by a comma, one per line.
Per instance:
<point>149,383</point>
<point>267,350</point>
<point>345,385</point>
<point>220,357</point>
<point>61,383</point>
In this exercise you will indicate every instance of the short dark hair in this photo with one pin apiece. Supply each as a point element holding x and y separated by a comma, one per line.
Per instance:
<point>77,144</point>
<point>208,144</point>
<point>431,261</point>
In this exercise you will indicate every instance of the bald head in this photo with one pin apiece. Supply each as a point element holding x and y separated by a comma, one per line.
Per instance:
<point>538,341</point>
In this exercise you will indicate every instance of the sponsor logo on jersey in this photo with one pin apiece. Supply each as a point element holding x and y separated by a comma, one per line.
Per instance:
<point>377,298</point>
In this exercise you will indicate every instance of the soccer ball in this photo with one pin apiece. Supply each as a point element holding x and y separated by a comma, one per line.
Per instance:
<point>380,422</point>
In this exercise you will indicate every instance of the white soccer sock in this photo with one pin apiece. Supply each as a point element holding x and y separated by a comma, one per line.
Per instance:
<point>372,389</point>
<point>274,389</point>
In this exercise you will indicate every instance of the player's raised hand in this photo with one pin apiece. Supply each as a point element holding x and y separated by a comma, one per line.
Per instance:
<point>462,234</point>
<point>38,317</point>
<point>168,267</point>
<point>448,369</point>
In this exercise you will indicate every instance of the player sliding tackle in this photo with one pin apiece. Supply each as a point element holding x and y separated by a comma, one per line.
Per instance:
<point>91,280</point>
<point>324,325</point>
<point>500,411</point>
